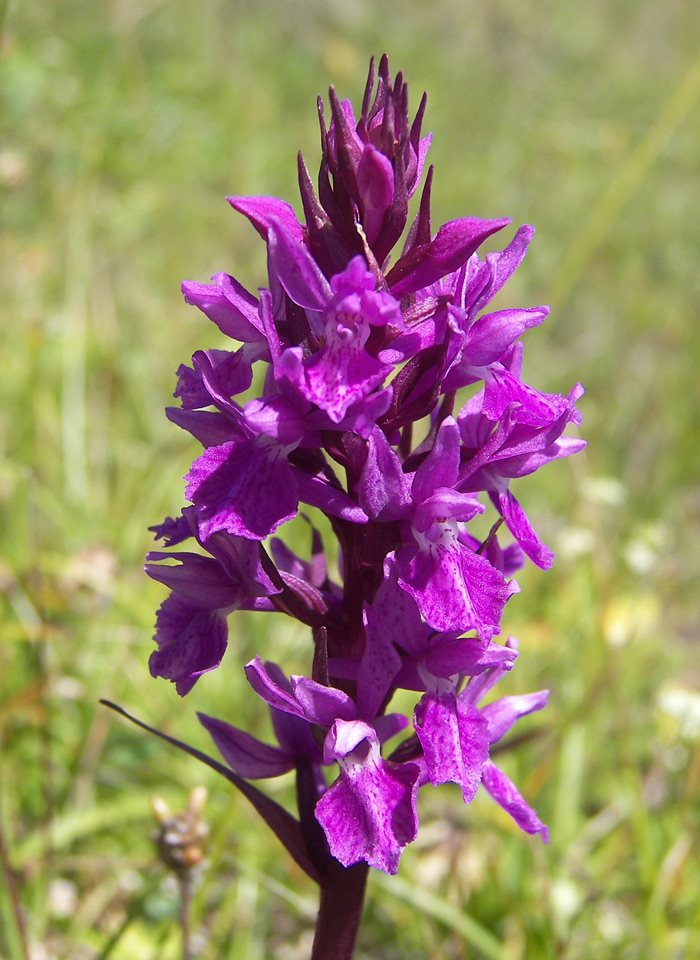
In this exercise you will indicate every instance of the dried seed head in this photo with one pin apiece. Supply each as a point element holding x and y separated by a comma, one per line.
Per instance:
<point>181,838</point>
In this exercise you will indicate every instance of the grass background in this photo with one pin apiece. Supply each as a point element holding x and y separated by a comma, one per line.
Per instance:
<point>123,126</point>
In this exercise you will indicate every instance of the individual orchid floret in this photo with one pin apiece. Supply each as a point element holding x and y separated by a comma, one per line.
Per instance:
<point>514,449</point>
<point>191,627</point>
<point>455,588</point>
<point>453,734</point>
<point>501,715</point>
<point>342,374</point>
<point>246,485</point>
<point>369,813</point>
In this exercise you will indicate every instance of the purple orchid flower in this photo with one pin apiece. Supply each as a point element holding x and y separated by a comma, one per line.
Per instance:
<point>343,396</point>
<point>370,791</point>
<point>455,588</point>
<point>191,629</point>
<point>342,374</point>
<point>514,449</point>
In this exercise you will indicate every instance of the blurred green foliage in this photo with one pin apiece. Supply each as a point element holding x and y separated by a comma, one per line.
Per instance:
<point>123,124</point>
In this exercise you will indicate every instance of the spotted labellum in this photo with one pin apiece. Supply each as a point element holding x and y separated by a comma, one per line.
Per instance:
<point>391,401</point>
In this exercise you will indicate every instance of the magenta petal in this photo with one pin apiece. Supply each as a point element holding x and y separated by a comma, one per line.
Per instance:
<point>505,793</point>
<point>211,429</point>
<point>293,731</point>
<point>466,656</point>
<point>322,705</point>
<point>455,741</point>
<point>379,665</point>
<point>242,561</point>
<point>356,278</point>
<point>295,737</point>
<point>523,464</point>
<point>224,374</point>
<point>262,210</point>
<point>339,376</point>
<point>245,755</point>
<point>536,408</point>
<point>275,417</point>
<point>519,525</point>
<point>502,265</point>
<point>502,714</point>
<point>202,580</point>
<point>456,589</point>
<point>247,488</point>
<point>228,304</point>
<point>362,416</point>
<point>388,725</point>
<point>384,489</point>
<point>369,813</point>
<point>267,687</point>
<point>440,467</point>
<point>190,390</point>
<point>221,379</point>
<point>344,738</point>
<point>318,492</point>
<point>493,333</point>
<point>173,531</point>
<point>191,641</point>
<point>395,614</point>
<point>296,269</point>
<point>446,503</point>
<point>451,247</point>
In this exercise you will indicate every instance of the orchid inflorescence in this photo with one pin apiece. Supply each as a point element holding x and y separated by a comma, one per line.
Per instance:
<point>364,352</point>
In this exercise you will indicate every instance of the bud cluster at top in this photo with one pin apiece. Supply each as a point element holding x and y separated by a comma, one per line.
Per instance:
<point>364,348</point>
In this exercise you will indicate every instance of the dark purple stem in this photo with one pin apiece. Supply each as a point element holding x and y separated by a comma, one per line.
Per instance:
<point>342,896</point>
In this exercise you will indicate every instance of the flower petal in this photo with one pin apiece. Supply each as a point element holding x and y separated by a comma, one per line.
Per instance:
<point>369,813</point>
<point>322,705</point>
<point>191,641</point>
<point>465,656</point>
<point>451,247</point>
<point>384,489</point>
<point>247,488</point>
<point>267,687</point>
<point>456,589</point>
<point>440,467</point>
<point>245,755</point>
<point>505,793</point>
<point>503,713</point>
<point>229,305</point>
<point>519,525</point>
<point>201,580</point>
<point>296,269</point>
<point>454,737</point>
